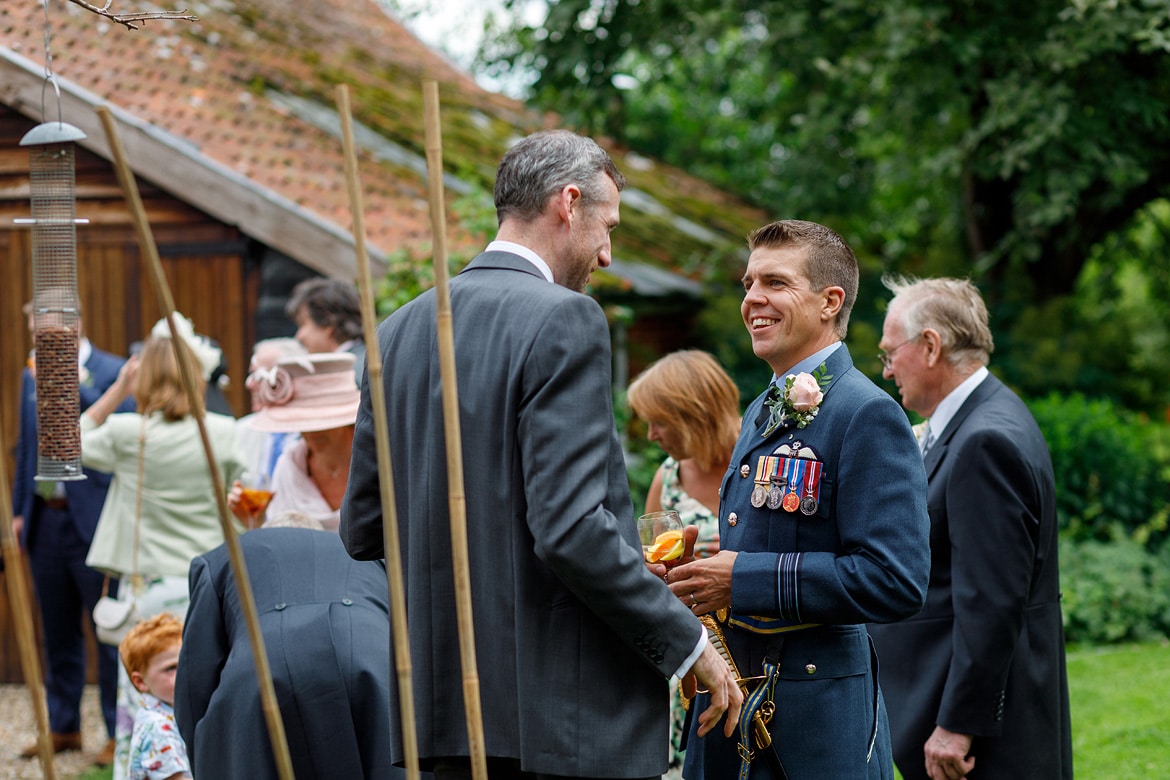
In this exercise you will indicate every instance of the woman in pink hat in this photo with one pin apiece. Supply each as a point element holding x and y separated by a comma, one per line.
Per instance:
<point>313,395</point>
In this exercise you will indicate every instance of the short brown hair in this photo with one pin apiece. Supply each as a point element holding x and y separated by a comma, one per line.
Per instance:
<point>331,304</point>
<point>828,260</point>
<point>692,391</point>
<point>160,383</point>
<point>147,639</point>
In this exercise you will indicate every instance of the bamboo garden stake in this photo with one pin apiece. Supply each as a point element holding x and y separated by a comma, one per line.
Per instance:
<point>235,555</point>
<point>26,640</point>
<point>457,501</point>
<point>382,441</point>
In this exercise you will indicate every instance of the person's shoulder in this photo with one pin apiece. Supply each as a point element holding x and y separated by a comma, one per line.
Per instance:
<point>221,424</point>
<point>860,389</point>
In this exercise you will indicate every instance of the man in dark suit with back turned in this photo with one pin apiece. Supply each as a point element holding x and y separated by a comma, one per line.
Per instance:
<point>975,683</point>
<point>325,621</point>
<point>55,524</point>
<point>575,637</point>
<point>822,527</point>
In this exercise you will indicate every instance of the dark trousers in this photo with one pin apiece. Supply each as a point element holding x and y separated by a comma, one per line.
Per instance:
<point>67,590</point>
<point>459,768</point>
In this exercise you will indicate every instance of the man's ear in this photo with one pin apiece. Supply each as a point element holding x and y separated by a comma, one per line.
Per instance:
<point>834,300</point>
<point>568,198</point>
<point>933,343</point>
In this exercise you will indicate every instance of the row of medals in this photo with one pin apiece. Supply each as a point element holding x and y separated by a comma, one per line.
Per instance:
<point>778,497</point>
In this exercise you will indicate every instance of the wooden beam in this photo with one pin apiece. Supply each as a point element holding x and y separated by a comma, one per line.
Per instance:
<point>178,168</point>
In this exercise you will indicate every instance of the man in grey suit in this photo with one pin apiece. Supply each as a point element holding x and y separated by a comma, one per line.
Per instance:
<point>575,637</point>
<point>975,683</point>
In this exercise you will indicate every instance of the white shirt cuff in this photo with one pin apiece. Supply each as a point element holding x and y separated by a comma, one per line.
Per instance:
<point>694,656</point>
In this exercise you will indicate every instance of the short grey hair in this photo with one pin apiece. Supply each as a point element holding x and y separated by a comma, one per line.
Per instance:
<point>544,163</point>
<point>953,307</point>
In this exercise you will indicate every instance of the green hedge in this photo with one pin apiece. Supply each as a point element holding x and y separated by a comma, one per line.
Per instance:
<point>1112,472</point>
<point>1112,469</point>
<point>1116,591</point>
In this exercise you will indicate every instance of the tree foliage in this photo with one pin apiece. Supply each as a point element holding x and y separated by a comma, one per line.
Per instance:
<point>984,137</point>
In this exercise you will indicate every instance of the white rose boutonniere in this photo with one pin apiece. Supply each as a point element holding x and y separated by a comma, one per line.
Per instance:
<point>800,400</point>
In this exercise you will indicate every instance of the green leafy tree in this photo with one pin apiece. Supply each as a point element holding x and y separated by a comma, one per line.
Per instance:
<point>997,139</point>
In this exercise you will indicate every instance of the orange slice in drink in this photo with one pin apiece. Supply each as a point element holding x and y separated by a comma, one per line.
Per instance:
<point>667,546</point>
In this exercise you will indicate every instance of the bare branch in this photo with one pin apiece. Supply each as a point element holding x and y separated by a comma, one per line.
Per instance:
<point>135,20</point>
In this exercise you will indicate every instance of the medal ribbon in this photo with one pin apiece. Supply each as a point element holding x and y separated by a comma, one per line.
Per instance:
<point>812,482</point>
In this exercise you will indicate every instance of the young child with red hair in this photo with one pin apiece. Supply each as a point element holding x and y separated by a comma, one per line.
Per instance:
<point>150,653</point>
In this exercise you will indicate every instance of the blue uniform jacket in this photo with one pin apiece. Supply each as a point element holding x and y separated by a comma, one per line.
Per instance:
<point>811,580</point>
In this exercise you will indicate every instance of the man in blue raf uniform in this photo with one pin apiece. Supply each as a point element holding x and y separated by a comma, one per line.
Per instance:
<point>823,528</point>
<point>55,524</point>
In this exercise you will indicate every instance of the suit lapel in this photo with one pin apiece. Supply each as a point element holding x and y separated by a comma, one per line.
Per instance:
<point>934,456</point>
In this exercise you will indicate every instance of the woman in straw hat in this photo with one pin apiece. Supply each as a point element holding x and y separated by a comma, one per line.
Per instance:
<point>313,395</point>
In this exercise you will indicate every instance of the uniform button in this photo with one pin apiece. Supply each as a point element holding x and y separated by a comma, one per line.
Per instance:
<point>347,602</point>
<point>732,519</point>
<point>745,471</point>
<point>280,605</point>
<point>811,668</point>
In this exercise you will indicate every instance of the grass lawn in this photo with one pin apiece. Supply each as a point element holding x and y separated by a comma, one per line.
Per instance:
<point>1120,712</point>
<point>1120,699</point>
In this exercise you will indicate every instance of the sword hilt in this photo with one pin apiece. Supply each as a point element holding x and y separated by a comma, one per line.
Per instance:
<point>715,636</point>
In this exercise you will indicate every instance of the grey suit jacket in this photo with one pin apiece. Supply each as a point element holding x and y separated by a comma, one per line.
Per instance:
<point>574,637</point>
<point>986,654</point>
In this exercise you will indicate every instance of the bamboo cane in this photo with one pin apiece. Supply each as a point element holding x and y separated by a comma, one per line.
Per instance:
<point>457,502</point>
<point>382,442</point>
<point>235,554</point>
<point>26,640</point>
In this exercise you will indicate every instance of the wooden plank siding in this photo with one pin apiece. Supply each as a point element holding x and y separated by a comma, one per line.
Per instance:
<point>207,264</point>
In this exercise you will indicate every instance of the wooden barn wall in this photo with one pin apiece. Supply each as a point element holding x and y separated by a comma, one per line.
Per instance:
<point>206,264</point>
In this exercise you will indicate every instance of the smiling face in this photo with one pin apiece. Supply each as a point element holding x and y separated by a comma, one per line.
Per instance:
<point>787,319</point>
<point>159,678</point>
<point>589,245</point>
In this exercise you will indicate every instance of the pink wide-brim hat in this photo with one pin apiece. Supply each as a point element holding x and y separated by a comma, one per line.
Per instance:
<point>306,393</point>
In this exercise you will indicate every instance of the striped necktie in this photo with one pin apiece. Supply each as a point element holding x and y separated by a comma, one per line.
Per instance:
<point>927,438</point>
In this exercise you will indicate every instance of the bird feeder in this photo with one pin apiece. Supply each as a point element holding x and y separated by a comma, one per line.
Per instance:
<point>56,304</point>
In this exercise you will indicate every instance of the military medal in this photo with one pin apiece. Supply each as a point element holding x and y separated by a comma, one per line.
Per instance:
<point>759,496</point>
<point>760,491</point>
<point>791,500</point>
<point>780,479</point>
<point>812,488</point>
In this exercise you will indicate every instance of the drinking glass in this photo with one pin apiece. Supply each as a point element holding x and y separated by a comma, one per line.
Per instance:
<point>255,493</point>
<point>652,526</point>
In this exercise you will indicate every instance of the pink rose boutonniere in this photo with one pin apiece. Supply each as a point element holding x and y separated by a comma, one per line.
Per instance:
<point>800,400</point>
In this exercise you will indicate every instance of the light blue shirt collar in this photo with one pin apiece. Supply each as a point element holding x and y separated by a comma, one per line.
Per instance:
<point>810,363</point>
<point>523,251</point>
